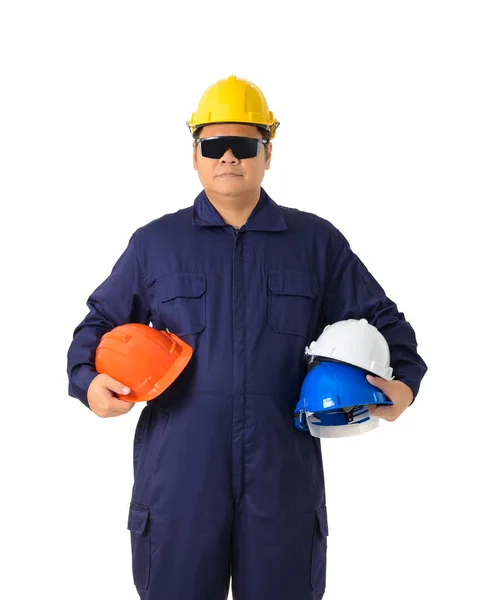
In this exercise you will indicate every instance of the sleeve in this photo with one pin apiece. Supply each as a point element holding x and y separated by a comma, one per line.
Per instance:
<point>120,299</point>
<point>353,293</point>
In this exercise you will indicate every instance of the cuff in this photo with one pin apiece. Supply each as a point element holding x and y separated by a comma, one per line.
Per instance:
<point>79,384</point>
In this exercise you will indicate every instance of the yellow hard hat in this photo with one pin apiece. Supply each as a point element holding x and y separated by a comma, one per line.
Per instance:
<point>233,100</point>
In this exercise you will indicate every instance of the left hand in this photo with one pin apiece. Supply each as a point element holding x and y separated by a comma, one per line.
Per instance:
<point>398,392</point>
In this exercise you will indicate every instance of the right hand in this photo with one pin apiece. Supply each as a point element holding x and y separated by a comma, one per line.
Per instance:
<point>102,397</point>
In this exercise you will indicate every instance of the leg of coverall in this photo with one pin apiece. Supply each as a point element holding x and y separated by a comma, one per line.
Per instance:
<point>181,512</point>
<point>280,527</point>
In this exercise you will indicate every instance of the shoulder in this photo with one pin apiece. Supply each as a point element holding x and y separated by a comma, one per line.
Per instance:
<point>308,222</point>
<point>166,225</point>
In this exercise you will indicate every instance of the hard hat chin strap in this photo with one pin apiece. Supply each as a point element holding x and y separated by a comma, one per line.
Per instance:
<point>348,410</point>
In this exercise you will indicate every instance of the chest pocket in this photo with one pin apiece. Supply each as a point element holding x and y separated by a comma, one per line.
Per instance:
<point>291,301</point>
<point>181,298</point>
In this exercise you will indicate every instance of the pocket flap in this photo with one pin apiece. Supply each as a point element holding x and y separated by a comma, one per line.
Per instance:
<point>188,285</point>
<point>293,283</point>
<point>322,518</point>
<point>138,518</point>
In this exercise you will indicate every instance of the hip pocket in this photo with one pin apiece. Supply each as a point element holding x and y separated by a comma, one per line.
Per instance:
<point>148,437</point>
<point>291,301</point>
<point>139,434</point>
<point>319,548</point>
<point>138,524</point>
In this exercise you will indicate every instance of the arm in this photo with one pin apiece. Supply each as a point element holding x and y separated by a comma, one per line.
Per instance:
<point>353,293</point>
<point>120,299</point>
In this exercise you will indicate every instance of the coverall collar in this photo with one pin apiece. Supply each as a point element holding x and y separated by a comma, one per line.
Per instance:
<point>266,215</point>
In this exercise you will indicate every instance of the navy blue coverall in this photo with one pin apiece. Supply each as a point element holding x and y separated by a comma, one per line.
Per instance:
<point>223,482</point>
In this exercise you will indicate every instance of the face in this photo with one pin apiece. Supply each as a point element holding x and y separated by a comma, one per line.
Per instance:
<point>249,171</point>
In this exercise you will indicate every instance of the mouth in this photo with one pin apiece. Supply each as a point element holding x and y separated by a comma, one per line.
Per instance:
<point>229,175</point>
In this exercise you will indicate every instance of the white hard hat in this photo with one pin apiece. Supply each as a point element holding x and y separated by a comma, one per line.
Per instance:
<point>363,421</point>
<point>354,342</point>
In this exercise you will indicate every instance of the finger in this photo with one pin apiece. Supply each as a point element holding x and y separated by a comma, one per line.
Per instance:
<point>120,405</point>
<point>377,382</point>
<point>116,386</point>
<point>118,413</point>
<point>386,412</point>
<point>386,408</point>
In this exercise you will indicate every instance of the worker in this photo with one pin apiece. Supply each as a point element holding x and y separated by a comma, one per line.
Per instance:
<point>226,490</point>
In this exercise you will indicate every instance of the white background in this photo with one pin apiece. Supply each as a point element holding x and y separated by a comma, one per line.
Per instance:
<point>380,110</point>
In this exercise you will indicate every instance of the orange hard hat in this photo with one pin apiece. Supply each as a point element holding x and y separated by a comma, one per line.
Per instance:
<point>143,358</point>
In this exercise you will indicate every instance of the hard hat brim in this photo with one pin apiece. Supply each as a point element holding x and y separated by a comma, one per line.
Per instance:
<point>169,376</point>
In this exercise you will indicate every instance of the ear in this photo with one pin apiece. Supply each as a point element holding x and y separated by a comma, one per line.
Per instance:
<point>268,155</point>
<point>194,156</point>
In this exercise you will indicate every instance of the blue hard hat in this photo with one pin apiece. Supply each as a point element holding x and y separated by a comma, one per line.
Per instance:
<point>335,395</point>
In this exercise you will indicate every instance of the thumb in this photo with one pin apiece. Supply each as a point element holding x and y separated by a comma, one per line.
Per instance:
<point>115,386</point>
<point>376,381</point>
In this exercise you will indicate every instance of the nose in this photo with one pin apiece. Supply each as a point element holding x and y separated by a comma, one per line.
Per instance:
<point>228,156</point>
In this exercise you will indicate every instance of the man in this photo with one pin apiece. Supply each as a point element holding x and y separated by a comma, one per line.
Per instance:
<point>223,482</point>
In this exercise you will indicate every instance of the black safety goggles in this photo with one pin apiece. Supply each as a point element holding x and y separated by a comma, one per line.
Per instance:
<point>241,147</point>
